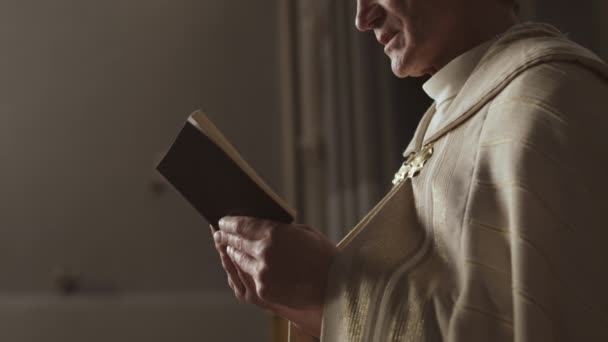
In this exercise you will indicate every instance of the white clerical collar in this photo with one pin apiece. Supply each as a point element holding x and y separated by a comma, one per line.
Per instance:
<point>445,84</point>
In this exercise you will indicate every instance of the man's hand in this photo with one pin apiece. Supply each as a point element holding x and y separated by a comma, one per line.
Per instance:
<point>279,267</point>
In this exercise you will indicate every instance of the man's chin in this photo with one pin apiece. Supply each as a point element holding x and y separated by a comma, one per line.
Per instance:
<point>398,69</point>
<point>405,70</point>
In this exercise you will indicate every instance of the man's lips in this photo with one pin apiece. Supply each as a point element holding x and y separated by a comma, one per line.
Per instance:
<point>390,42</point>
<point>385,38</point>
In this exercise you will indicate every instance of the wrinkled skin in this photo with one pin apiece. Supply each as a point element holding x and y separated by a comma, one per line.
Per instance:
<point>279,267</point>
<point>422,36</point>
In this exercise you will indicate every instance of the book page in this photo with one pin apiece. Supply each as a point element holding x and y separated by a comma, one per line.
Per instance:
<point>200,120</point>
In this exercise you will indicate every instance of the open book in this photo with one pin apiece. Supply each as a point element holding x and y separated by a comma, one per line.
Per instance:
<point>209,172</point>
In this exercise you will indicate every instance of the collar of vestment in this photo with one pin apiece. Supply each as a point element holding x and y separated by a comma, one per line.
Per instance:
<point>522,47</point>
<point>446,83</point>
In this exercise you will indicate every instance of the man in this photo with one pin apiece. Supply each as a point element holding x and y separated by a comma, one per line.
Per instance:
<point>495,228</point>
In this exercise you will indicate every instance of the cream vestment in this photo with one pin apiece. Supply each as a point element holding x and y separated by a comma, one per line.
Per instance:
<point>501,234</point>
<point>445,84</point>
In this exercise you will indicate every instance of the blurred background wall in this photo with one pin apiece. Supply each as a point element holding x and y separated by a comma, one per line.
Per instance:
<point>93,246</point>
<point>91,93</point>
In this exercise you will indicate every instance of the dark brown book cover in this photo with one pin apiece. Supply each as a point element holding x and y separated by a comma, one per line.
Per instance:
<point>204,167</point>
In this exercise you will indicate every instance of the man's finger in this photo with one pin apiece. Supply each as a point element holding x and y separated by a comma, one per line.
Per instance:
<point>212,233</point>
<point>249,227</point>
<point>234,280</point>
<point>232,271</point>
<point>238,242</point>
<point>242,261</point>
<point>250,287</point>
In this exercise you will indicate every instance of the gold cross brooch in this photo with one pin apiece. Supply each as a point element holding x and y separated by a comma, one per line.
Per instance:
<point>414,162</point>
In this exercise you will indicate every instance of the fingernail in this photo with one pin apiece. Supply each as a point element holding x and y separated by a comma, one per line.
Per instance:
<point>229,250</point>
<point>217,236</point>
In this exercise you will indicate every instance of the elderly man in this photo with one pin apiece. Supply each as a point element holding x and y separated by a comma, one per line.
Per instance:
<point>495,228</point>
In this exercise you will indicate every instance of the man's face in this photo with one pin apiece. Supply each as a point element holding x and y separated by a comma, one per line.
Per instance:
<point>415,33</point>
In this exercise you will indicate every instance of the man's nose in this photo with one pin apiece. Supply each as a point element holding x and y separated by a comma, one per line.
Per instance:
<point>369,14</point>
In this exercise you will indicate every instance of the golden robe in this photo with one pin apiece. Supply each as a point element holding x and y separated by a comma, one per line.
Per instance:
<point>502,236</point>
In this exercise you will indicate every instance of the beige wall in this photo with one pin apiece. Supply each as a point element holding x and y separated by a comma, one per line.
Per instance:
<point>90,93</point>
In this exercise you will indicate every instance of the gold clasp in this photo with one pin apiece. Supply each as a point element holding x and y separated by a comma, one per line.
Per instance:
<point>413,164</point>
